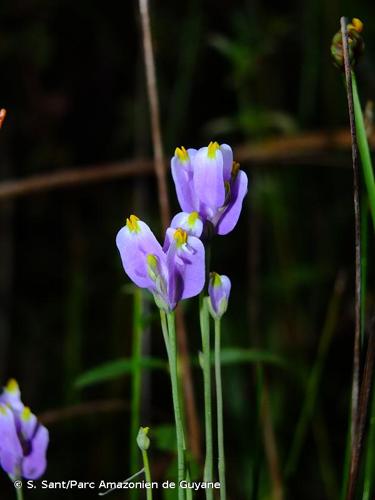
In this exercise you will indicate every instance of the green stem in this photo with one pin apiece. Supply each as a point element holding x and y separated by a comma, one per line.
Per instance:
<point>219,406</point>
<point>146,466</point>
<point>19,493</point>
<point>189,491</point>
<point>172,355</point>
<point>205,332</point>
<point>136,385</point>
<point>364,149</point>
<point>368,486</point>
<point>164,327</point>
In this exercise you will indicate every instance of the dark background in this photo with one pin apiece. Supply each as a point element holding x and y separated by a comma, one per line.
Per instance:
<point>73,83</point>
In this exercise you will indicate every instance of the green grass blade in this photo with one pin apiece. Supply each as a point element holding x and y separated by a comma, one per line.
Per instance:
<point>313,383</point>
<point>117,368</point>
<point>369,478</point>
<point>364,149</point>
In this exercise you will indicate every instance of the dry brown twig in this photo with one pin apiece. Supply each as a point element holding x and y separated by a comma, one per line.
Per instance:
<point>357,234</point>
<point>312,149</point>
<point>154,113</point>
<point>188,387</point>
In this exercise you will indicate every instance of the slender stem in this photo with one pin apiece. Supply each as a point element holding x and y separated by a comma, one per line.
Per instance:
<point>205,332</point>
<point>368,485</point>
<point>19,493</point>
<point>164,327</point>
<point>219,406</point>
<point>180,436</point>
<point>364,256</point>
<point>146,466</point>
<point>357,234</point>
<point>136,385</point>
<point>111,490</point>
<point>315,376</point>
<point>365,393</point>
<point>189,491</point>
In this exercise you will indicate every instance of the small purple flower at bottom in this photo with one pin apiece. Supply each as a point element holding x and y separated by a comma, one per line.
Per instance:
<point>209,182</point>
<point>218,291</point>
<point>23,440</point>
<point>171,273</point>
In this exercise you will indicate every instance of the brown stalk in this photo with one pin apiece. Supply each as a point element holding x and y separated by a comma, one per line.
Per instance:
<point>364,399</point>
<point>80,410</point>
<point>357,235</point>
<point>154,113</point>
<point>188,388</point>
<point>71,177</point>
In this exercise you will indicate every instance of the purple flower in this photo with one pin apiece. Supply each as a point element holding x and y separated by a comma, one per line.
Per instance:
<point>23,440</point>
<point>171,273</point>
<point>218,291</point>
<point>209,182</point>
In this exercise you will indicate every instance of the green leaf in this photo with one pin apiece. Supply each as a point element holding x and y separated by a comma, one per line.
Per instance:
<point>117,368</point>
<point>235,356</point>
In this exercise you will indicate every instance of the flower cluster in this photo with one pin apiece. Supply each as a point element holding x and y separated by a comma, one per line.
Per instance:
<point>23,440</point>
<point>209,182</point>
<point>210,189</point>
<point>173,272</point>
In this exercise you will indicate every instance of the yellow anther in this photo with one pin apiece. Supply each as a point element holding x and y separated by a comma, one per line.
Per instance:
<point>132,223</point>
<point>152,260</point>
<point>192,218</point>
<point>12,385</point>
<point>182,154</point>
<point>215,279</point>
<point>180,236</point>
<point>227,191</point>
<point>3,409</point>
<point>26,413</point>
<point>235,168</point>
<point>212,148</point>
<point>356,25</point>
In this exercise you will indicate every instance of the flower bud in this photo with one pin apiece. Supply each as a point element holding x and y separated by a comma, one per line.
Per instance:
<point>356,44</point>
<point>143,441</point>
<point>218,291</point>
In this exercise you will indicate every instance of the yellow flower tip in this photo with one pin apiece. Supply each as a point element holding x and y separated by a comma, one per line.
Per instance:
<point>215,279</point>
<point>182,154</point>
<point>145,430</point>
<point>26,414</point>
<point>192,218</point>
<point>12,385</point>
<point>212,148</point>
<point>180,236</point>
<point>152,260</point>
<point>356,24</point>
<point>132,223</point>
